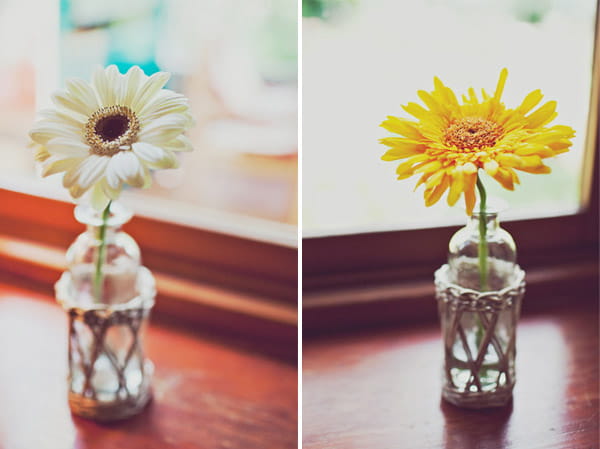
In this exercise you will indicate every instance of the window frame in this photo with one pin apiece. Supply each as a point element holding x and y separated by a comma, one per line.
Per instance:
<point>220,282</point>
<point>374,278</point>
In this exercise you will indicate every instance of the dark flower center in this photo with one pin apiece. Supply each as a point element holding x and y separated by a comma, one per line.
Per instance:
<point>112,127</point>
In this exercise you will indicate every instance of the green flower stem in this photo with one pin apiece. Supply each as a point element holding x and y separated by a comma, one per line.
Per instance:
<point>98,277</point>
<point>483,247</point>
<point>483,262</point>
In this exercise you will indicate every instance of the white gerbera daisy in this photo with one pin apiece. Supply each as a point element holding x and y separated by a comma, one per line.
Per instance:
<point>112,132</point>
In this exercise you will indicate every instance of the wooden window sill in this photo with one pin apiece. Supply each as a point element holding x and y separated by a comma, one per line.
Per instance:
<point>207,393</point>
<point>267,324</point>
<point>346,309</point>
<point>226,283</point>
<point>382,389</point>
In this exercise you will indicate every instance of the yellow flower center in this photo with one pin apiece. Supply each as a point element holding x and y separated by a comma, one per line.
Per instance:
<point>473,132</point>
<point>110,128</point>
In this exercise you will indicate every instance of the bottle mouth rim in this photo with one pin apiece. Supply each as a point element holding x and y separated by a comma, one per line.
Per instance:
<point>119,215</point>
<point>494,206</point>
<point>488,213</point>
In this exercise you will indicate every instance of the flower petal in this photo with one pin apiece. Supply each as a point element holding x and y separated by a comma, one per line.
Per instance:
<point>432,195</point>
<point>81,177</point>
<point>181,143</point>
<point>500,85</point>
<point>108,85</point>
<point>534,149</point>
<point>536,170</point>
<point>98,198</point>
<point>456,187</point>
<point>164,129</point>
<point>116,84</point>
<point>401,126</point>
<point>112,193</point>
<point>560,146</point>
<point>417,111</point>
<point>43,131</point>
<point>149,89</point>
<point>83,92</point>
<point>446,94</point>
<point>435,179</point>
<point>422,180</point>
<point>112,178</point>
<point>432,104</point>
<point>509,160</point>
<point>41,154</point>
<point>127,168</point>
<point>74,105</point>
<point>531,101</point>
<point>165,102</point>
<point>153,156</point>
<point>504,177</point>
<point>133,79</point>
<point>470,179</point>
<point>408,166</point>
<point>429,167</point>
<point>60,165</point>
<point>541,116</point>
<point>491,167</point>
<point>469,168</point>
<point>401,148</point>
<point>74,121</point>
<point>67,147</point>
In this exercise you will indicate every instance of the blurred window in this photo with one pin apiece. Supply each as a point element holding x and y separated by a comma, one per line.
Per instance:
<point>363,59</point>
<point>236,60</point>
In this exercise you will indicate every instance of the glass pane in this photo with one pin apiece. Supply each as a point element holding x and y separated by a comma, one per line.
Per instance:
<point>236,60</point>
<point>363,59</point>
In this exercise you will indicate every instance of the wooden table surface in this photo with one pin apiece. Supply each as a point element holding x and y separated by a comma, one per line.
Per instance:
<point>206,394</point>
<point>383,390</point>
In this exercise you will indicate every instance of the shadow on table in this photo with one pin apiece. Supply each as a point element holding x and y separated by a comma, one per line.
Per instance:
<point>475,429</point>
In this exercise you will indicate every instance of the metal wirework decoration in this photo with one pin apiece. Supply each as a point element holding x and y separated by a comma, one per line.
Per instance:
<point>479,334</point>
<point>109,375</point>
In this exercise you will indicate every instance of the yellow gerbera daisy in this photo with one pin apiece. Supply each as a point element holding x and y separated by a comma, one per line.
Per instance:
<point>451,141</point>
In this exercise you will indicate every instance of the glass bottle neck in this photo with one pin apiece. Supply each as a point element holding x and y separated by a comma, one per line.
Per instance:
<point>491,219</point>
<point>94,220</point>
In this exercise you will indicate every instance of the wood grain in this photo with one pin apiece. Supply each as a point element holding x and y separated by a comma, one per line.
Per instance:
<point>207,394</point>
<point>382,390</point>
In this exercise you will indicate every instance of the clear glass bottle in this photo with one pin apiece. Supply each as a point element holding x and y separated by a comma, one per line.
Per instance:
<point>479,324</point>
<point>108,308</point>
<point>121,259</point>
<point>463,254</point>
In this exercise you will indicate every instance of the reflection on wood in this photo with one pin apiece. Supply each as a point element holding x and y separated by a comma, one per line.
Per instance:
<point>206,394</point>
<point>382,390</point>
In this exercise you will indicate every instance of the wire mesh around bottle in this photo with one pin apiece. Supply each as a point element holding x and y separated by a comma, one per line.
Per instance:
<point>479,335</point>
<point>109,375</point>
